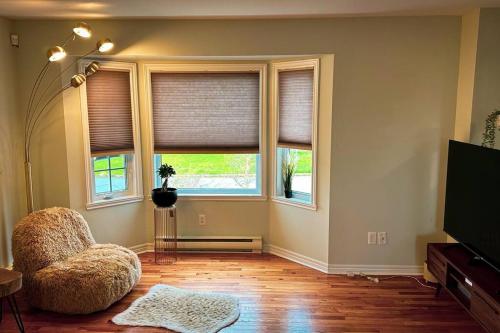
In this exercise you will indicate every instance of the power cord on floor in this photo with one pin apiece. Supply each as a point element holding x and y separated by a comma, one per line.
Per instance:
<point>377,280</point>
<point>409,277</point>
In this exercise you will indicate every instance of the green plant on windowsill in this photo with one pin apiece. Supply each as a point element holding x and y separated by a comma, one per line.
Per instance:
<point>165,196</point>
<point>287,172</point>
<point>490,127</point>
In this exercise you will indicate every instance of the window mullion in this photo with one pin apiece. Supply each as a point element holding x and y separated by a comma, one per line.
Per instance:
<point>109,173</point>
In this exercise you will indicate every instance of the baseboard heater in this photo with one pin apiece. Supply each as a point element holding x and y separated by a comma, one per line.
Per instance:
<point>219,244</point>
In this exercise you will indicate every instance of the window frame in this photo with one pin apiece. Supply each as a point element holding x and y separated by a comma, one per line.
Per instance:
<point>134,164</point>
<point>201,67</point>
<point>210,191</point>
<point>276,68</point>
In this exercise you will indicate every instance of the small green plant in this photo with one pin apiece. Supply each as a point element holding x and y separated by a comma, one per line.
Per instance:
<point>287,171</point>
<point>490,127</point>
<point>165,171</point>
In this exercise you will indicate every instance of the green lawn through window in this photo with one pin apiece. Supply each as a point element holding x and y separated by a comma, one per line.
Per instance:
<point>101,163</point>
<point>219,164</point>
<point>209,164</point>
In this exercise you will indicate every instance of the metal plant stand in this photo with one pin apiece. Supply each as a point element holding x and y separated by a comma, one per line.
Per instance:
<point>165,235</point>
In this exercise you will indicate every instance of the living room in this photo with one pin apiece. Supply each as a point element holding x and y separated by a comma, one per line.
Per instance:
<point>358,102</point>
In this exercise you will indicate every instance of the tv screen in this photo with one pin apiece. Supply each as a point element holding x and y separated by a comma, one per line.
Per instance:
<point>472,208</point>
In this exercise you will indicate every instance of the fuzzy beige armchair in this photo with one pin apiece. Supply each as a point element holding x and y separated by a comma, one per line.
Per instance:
<point>64,270</point>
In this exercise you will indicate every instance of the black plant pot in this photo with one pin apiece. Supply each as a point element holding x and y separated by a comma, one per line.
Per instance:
<point>288,194</point>
<point>164,199</point>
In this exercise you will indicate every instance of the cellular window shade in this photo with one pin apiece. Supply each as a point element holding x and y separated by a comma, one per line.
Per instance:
<point>110,112</point>
<point>206,112</point>
<point>295,108</point>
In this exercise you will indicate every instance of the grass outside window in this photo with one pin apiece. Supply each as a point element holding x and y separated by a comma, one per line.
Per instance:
<point>213,174</point>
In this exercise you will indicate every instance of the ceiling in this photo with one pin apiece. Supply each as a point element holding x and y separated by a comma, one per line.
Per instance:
<point>233,8</point>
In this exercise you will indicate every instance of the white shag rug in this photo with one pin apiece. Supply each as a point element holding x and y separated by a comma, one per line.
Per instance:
<point>181,310</point>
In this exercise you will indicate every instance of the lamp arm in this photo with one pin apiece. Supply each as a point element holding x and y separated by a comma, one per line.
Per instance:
<point>37,83</point>
<point>58,77</point>
<point>71,36</point>
<point>37,118</point>
<point>33,92</point>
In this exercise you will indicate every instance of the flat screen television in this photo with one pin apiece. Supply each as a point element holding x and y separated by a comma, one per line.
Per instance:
<point>472,207</point>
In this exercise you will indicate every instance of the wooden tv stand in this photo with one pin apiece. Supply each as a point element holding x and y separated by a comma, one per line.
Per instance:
<point>473,283</point>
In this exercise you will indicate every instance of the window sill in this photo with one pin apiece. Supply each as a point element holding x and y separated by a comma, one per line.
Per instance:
<point>114,202</point>
<point>295,202</point>
<point>219,197</point>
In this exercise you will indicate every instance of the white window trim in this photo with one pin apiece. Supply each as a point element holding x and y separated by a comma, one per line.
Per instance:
<point>277,67</point>
<point>135,194</point>
<point>261,68</point>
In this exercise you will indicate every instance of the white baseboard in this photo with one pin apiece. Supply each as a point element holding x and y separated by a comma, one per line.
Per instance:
<point>297,257</point>
<point>320,265</point>
<point>376,269</point>
<point>343,269</point>
<point>9,267</point>
<point>142,248</point>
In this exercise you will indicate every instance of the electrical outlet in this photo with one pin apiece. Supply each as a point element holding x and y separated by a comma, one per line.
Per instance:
<point>382,238</point>
<point>202,219</point>
<point>372,237</point>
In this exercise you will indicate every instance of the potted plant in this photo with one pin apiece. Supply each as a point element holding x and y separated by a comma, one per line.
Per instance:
<point>287,171</point>
<point>491,125</point>
<point>165,196</point>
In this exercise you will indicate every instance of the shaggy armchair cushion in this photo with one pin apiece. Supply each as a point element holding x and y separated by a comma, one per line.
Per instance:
<point>64,270</point>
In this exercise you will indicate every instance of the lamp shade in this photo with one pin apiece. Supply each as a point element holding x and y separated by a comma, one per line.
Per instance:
<point>105,45</point>
<point>56,53</point>
<point>83,30</point>
<point>91,68</point>
<point>77,80</point>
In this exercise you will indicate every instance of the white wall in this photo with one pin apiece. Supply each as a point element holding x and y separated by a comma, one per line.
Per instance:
<point>11,166</point>
<point>393,113</point>
<point>394,98</point>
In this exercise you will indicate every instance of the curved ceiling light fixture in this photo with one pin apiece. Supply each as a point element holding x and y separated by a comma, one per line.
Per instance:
<point>105,45</point>
<point>56,53</point>
<point>83,30</point>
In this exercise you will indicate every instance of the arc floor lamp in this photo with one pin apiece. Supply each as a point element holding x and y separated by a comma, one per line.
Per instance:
<point>38,103</point>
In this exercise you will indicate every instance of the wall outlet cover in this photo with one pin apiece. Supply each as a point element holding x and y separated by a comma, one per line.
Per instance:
<point>372,237</point>
<point>382,238</point>
<point>202,219</point>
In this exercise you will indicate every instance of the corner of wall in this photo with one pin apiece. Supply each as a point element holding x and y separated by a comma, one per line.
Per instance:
<point>11,166</point>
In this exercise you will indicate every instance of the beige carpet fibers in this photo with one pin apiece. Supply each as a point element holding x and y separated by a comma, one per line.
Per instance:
<point>181,310</point>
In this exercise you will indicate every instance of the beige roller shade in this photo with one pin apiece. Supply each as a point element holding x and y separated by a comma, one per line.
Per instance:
<point>296,108</point>
<point>206,112</point>
<point>110,112</point>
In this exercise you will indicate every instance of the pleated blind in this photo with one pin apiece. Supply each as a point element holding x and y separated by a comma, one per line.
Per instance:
<point>110,112</point>
<point>296,108</point>
<point>206,112</point>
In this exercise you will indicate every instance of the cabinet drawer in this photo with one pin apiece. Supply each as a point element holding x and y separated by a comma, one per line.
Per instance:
<point>436,266</point>
<point>485,311</point>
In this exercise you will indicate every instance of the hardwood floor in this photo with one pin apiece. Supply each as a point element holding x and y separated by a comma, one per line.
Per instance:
<point>276,295</point>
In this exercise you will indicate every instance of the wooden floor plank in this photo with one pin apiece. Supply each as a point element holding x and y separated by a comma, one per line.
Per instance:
<point>276,295</point>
